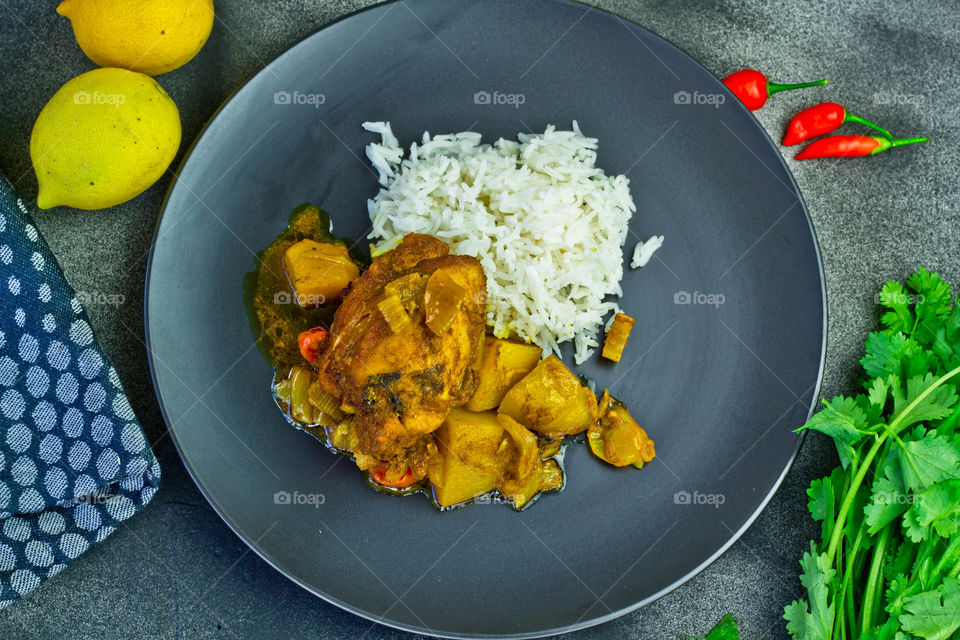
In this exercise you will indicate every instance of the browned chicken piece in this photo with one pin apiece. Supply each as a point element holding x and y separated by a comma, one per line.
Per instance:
<point>402,375</point>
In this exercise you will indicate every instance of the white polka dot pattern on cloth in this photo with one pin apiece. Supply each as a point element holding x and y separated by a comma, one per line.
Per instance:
<point>74,462</point>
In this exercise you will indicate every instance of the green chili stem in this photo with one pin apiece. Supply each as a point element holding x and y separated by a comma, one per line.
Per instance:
<point>885,143</point>
<point>773,87</point>
<point>905,141</point>
<point>850,117</point>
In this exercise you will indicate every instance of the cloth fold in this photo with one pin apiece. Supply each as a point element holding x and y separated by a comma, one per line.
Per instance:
<point>74,462</point>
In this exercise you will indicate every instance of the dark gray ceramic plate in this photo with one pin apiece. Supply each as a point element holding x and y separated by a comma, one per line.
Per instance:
<point>722,365</point>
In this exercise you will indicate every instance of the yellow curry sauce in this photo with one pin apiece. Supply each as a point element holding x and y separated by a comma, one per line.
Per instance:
<point>400,376</point>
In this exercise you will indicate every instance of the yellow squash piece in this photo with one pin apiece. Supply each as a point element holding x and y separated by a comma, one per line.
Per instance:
<point>343,436</point>
<point>616,338</point>
<point>292,393</point>
<point>522,481</point>
<point>616,438</point>
<point>329,413</point>
<point>319,272</point>
<point>409,288</point>
<point>442,299</point>
<point>468,443</point>
<point>393,312</point>
<point>550,400</point>
<point>504,362</point>
<point>477,363</point>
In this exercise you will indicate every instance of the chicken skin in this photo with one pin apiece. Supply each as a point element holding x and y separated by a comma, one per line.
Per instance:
<point>405,345</point>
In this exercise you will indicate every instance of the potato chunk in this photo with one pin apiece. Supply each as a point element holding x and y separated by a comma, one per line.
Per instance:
<point>504,363</point>
<point>318,272</point>
<point>550,400</point>
<point>468,443</point>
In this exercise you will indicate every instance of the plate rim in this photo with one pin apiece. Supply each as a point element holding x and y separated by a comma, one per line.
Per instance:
<point>576,626</point>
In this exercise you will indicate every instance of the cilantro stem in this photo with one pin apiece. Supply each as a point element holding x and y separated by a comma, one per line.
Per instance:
<point>894,427</point>
<point>921,567</point>
<point>872,591</point>
<point>850,495</point>
<point>845,596</point>
<point>951,549</point>
<point>955,571</point>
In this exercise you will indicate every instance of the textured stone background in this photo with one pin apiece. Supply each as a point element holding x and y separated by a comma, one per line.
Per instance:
<point>176,571</point>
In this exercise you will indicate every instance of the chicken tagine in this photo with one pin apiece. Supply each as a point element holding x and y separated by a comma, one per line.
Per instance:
<point>391,365</point>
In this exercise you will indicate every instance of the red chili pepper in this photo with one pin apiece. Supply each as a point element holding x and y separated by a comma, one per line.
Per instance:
<point>753,88</point>
<point>386,475</point>
<point>823,118</point>
<point>852,146</point>
<point>311,343</point>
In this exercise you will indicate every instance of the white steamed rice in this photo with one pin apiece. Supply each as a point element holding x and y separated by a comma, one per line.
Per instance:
<point>545,222</point>
<point>644,251</point>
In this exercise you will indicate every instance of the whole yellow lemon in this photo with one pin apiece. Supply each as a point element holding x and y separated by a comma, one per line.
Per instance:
<point>103,138</point>
<point>149,36</point>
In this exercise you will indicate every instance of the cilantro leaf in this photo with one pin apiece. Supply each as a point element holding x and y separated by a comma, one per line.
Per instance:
<point>725,629</point>
<point>889,499</point>
<point>821,498</point>
<point>928,459</point>
<point>935,405</point>
<point>934,301</point>
<point>933,615</point>
<point>813,619</point>
<point>885,353</point>
<point>901,561</point>
<point>843,420</point>
<point>897,593</point>
<point>946,339</point>
<point>877,393</point>
<point>896,355</point>
<point>890,630</point>
<point>895,298</point>
<point>935,512</point>
<point>948,426</point>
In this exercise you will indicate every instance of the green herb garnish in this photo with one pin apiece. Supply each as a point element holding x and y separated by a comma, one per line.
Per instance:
<point>888,558</point>
<point>726,629</point>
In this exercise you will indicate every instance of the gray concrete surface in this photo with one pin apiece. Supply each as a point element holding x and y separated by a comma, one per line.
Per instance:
<point>176,571</point>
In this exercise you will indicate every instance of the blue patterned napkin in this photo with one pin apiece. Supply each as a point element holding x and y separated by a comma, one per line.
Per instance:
<point>74,462</point>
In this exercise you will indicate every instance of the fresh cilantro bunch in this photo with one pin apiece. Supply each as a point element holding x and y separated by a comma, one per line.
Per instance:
<point>888,560</point>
